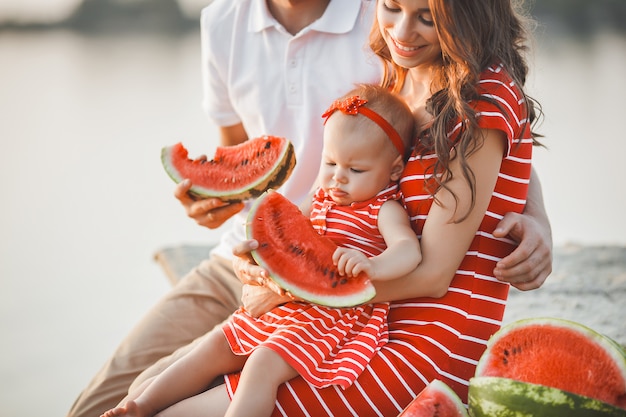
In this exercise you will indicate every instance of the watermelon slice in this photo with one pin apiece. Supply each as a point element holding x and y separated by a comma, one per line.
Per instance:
<point>236,172</point>
<point>542,365</point>
<point>437,399</point>
<point>298,258</point>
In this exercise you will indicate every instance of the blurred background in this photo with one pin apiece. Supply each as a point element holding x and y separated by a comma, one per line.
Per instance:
<point>91,90</point>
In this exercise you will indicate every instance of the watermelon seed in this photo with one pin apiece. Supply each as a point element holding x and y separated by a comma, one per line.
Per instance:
<point>295,249</point>
<point>343,281</point>
<point>268,145</point>
<point>334,284</point>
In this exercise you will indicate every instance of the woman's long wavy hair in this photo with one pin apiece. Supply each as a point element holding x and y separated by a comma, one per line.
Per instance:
<point>473,34</point>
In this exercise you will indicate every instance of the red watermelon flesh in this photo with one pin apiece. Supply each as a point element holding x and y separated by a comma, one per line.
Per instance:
<point>437,399</point>
<point>236,172</point>
<point>298,258</point>
<point>559,354</point>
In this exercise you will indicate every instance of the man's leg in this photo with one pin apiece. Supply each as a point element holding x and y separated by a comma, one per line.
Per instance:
<point>200,301</point>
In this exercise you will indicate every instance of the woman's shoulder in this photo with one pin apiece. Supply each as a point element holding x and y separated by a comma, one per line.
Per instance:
<point>501,103</point>
<point>495,81</point>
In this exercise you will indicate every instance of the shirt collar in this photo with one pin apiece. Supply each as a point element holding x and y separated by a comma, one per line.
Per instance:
<point>339,17</point>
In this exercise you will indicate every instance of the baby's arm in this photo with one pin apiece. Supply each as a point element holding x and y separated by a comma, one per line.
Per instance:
<point>402,255</point>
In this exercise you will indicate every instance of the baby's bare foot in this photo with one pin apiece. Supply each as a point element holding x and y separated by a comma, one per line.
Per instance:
<point>130,409</point>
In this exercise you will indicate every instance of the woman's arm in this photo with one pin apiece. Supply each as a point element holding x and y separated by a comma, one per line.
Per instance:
<point>528,266</point>
<point>444,243</point>
<point>212,212</point>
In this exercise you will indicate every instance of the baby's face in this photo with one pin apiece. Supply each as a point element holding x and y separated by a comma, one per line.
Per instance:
<point>356,163</point>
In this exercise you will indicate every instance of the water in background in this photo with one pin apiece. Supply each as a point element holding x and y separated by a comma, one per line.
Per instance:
<point>85,201</point>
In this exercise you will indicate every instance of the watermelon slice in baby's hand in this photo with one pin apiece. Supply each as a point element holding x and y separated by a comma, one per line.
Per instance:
<point>299,259</point>
<point>236,172</point>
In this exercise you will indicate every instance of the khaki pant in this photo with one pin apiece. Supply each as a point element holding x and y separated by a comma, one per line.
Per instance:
<point>199,302</point>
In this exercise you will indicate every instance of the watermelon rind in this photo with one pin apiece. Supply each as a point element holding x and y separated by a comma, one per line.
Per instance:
<point>328,300</point>
<point>435,388</point>
<point>491,396</point>
<point>274,177</point>
<point>361,289</point>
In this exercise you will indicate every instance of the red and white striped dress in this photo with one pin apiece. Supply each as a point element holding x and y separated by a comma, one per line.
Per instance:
<point>438,338</point>
<point>327,346</point>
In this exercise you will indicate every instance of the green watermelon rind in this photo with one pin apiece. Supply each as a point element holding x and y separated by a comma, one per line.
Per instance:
<point>321,299</point>
<point>329,300</point>
<point>275,177</point>
<point>440,387</point>
<point>491,396</point>
<point>612,348</point>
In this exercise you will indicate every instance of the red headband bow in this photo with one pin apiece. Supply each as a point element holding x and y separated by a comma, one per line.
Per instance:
<point>355,105</point>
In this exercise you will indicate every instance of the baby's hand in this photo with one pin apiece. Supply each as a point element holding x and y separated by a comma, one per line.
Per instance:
<point>351,262</point>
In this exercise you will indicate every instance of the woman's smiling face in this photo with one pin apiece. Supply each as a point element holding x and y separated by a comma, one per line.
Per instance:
<point>408,29</point>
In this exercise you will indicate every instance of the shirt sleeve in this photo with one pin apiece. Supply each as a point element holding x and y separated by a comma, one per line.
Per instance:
<point>499,106</point>
<point>216,100</point>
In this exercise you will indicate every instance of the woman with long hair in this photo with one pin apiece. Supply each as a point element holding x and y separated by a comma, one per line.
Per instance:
<point>461,68</point>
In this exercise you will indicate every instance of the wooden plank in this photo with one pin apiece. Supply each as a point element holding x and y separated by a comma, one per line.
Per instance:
<point>177,261</point>
<point>587,285</point>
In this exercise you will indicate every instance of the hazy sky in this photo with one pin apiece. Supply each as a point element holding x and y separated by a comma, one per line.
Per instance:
<point>37,11</point>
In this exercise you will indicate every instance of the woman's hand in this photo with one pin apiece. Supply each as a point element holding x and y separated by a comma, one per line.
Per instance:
<point>248,272</point>
<point>208,212</point>
<point>259,294</point>
<point>258,300</point>
<point>528,266</point>
<point>244,265</point>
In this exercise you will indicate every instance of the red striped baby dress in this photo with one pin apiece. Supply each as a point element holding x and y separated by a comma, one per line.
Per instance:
<point>327,346</point>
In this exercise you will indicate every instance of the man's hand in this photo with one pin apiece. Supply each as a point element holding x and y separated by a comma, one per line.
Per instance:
<point>208,212</point>
<point>528,266</point>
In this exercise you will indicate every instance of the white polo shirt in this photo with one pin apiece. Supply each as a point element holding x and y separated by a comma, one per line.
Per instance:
<point>275,83</point>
